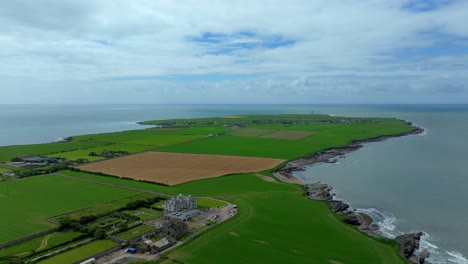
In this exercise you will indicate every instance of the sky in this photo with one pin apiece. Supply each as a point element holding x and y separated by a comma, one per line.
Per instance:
<point>271,52</point>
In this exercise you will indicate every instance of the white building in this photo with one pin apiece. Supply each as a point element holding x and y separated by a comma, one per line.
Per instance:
<point>180,203</point>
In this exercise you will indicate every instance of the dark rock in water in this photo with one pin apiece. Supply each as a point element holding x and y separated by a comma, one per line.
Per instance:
<point>338,206</point>
<point>423,256</point>
<point>374,227</point>
<point>409,243</point>
<point>353,219</point>
<point>365,220</point>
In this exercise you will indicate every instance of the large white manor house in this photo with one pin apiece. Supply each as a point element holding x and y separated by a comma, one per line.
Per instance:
<point>180,203</point>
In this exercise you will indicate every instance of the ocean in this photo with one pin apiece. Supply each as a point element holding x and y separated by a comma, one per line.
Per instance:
<point>412,183</point>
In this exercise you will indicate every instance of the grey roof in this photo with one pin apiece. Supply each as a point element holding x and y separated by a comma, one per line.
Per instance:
<point>161,243</point>
<point>182,215</point>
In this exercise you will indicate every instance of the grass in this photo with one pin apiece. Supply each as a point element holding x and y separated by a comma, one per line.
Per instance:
<point>105,207</point>
<point>250,132</point>
<point>249,146</point>
<point>284,228</point>
<point>9,152</point>
<point>246,119</point>
<point>81,252</point>
<point>239,184</point>
<point>141,137</point>
<point>207,203</point>
<point>336,135</point>
<point>39,244</point>
<point>275,223</point>
<point>84,153</point>
<point>134,232</point>
<point>131,141</point>
<point>145,213</point>
<point>27,203</point>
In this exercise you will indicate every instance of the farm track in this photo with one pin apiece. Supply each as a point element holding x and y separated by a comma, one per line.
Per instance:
<point>111,185</point>
<point>44,242</point>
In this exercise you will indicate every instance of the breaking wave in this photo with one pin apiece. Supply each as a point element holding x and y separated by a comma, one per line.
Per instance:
<point>388,228</point>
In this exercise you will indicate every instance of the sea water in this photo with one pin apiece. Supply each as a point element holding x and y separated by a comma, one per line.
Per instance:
<point>27,124</point>
<point>412,183</point>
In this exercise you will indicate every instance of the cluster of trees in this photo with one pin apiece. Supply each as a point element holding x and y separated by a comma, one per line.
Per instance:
<point>41,170</point>
<point>109,153</point>
<point>83,223</point>
<point>142,203</point>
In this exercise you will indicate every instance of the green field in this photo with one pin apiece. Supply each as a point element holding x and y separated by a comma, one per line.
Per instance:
<point>145,213</point>
<point>284,228</point>
<point>275,223</point>
<point>130,141</point>
<point>39,244</point>
<point>84,153</point>
<point>134,232</point>
<point>81,252</point>
<point>105,207</point>
<point>27,203</point>
<point>244,184</point>
<point>9,152</point>
<point>250,132</point>
<point>293,227</point>
<point>245,119</point>
<point>207,203</point>
<point>249,142</point>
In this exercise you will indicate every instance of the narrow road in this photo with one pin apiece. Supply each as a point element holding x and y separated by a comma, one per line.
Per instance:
<point>112,185</point>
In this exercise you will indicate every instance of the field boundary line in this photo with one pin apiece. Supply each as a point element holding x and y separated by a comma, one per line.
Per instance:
<point>26,238</point>
<point>112,185</point>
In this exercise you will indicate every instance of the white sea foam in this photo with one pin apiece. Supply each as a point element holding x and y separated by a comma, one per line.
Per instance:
<point>424,133</point>
<point>456,257</point>
<point>128,122</point>
<point>388,228</point>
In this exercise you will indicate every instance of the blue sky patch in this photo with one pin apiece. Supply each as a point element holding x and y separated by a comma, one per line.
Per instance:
<point>444,46</point>
<point>215,77</point>
<point>425,5</point>
<point>221,43</point>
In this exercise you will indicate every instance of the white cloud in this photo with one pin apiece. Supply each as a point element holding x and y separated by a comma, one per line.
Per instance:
<point>342,51</point>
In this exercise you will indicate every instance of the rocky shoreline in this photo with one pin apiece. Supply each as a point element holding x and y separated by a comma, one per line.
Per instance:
<point>409,243</point>
<point>330,156</point>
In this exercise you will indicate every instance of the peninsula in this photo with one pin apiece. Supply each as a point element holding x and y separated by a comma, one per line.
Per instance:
<point>206,190</point>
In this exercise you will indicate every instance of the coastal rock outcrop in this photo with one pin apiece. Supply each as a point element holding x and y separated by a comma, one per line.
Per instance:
<point>338,206</point>
<point>409,244</point>
<point>323,192</point>
<point>319,191</point>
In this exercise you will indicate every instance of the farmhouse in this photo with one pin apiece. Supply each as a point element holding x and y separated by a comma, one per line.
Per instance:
<point>38,160</point>
<point>180,203</point>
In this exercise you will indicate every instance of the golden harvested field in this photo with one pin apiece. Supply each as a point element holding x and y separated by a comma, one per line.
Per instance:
<point>177,168</point>
<point>288,134</point>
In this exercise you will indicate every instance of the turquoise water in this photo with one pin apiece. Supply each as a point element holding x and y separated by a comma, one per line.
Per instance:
<point>411,183</point>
